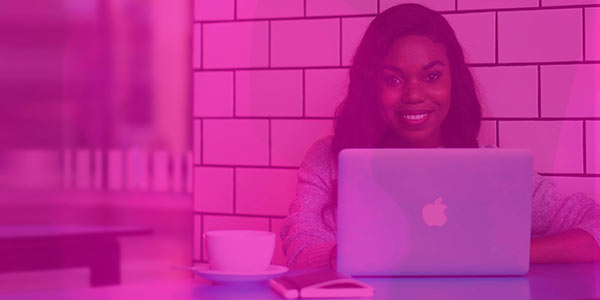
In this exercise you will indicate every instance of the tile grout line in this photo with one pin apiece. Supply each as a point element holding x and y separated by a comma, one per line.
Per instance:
<point>303,93</point>
<point>584,149</point>
<point>240,215</point>
<point>234,193</point>
<point>496,37</point>
<point>201,236</point>
<point>539,90</point>
<point>341,42</point>
<point>497,133</point>
<point>270,133</point>
<point>201,46</point>
<point>201,141</point>
<point>248,166</point>
<point>583,30</point>
<point>269,41</point>
<point>304,8</point>
<point>234,92</point>
<point>577,175</point>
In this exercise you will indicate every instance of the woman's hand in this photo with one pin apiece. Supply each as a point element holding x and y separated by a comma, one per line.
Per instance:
<point>573,246</point>
<point>333,258</point>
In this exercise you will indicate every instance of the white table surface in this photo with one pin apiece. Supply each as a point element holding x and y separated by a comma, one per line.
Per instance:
<point>544,281</point>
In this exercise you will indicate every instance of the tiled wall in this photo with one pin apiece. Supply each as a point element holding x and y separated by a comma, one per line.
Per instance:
<point>268,75</point>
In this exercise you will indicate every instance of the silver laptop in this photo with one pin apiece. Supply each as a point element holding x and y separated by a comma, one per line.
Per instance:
<point>420,212</point>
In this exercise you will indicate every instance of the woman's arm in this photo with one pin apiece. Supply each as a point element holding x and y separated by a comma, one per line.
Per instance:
<point>567,227</point>
<point>572,246</point>
<point>307,241</point>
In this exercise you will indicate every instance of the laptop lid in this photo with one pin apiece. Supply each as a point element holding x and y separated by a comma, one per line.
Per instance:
<point>434,211</point>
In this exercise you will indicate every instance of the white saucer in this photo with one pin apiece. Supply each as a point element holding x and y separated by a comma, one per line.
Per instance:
<point>204,271</point>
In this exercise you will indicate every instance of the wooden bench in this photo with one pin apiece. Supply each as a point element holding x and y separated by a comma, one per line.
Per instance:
<point>29,248</point>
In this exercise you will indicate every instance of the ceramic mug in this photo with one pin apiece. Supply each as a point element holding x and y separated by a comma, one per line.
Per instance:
<point>239,250</point>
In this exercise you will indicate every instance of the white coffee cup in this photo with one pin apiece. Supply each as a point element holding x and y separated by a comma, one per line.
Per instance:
<point>239,250</point>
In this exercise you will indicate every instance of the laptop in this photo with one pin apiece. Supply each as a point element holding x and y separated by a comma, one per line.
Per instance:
<point>427,212</point>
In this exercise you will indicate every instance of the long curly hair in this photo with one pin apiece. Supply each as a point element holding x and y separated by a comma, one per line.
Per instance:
<point>358,123</point>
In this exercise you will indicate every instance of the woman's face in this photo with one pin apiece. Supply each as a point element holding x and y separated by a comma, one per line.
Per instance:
<point>414,88</point>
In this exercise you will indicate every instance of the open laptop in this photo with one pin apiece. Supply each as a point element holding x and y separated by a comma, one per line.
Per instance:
<point>420,212</point>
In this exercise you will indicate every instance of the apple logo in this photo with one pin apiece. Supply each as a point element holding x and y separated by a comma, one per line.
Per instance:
<point>434,214</point>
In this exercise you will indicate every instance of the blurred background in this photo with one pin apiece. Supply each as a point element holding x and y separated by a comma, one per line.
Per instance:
<point>94,111</point>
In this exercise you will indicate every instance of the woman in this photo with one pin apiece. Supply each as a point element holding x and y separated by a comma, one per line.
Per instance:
<point>411,88</point>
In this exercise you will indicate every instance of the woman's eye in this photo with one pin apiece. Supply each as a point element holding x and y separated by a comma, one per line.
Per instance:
<point>392,80</point>
<point>433,76</point>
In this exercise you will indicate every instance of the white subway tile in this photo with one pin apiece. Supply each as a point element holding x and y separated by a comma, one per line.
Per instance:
<point>324,90</point>
<point>540,35</point>
<point>205,10</point>
<point>197,141</point>
<point>213,94</point>
<point>213,190</point>
<point>476,34</point>
<point>259,9</point>
<point>568,2</point>
<point>340,7</point>
<point>353,30</point>
<point>273,93</point>
<point>507,91</point>
<point>263,191</point>
<point>236,142</point>
<point>592,33</point>
<point>487,133</point>
<point>570,90</point>
<point>492,4</point>
<point>290,139</point>
<point>438,5</point>
<point>236,45</point>
<point>197,46</point>
<point>557,145</point>
<point>305,43</point>
<point>592,139</point>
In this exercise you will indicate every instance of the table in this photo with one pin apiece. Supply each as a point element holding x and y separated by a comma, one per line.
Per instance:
<point>26,248</point>
<point>544,281</point>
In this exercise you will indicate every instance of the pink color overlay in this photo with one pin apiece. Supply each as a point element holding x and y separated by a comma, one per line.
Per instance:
<point>168,119</point>
<point>503,47</point>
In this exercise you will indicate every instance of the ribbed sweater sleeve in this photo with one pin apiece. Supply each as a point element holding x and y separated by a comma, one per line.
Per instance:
<point>554,213</point>
<point>307,241</point>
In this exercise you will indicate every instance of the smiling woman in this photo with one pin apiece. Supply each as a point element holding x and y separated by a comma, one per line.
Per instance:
<point>410,87</point>
<point>415,88</point>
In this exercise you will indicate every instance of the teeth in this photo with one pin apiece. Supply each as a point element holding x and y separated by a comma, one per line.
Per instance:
<point>414,117</point>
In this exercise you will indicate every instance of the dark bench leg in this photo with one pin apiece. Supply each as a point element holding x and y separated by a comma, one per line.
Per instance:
<point>105,268</point>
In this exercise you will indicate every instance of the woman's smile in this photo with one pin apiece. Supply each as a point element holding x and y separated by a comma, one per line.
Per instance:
<point>414,120</point>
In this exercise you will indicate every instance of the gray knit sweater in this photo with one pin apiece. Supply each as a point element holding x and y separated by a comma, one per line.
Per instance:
<point>308,240</point>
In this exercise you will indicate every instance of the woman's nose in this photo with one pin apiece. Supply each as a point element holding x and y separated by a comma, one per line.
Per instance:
<point>413,93</point>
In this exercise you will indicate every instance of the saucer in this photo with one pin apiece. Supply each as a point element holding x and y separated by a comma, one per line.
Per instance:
<point>204,271</point>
